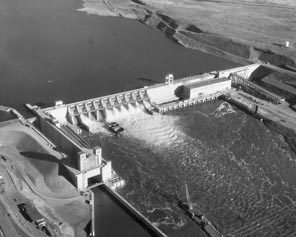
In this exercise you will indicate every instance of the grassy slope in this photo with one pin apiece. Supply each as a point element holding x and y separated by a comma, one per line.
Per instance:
<point>240,30</point>
<point>260,23</point>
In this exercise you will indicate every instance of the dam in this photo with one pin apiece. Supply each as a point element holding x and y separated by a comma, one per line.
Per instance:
<point>159,97</point>
<point>67,125</point>
<point>64,123</point>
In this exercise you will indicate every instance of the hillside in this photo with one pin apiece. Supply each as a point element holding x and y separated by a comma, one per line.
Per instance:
<point>250,29</point>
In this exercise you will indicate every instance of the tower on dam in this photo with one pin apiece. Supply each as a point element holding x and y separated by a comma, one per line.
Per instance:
<point>84,164</point>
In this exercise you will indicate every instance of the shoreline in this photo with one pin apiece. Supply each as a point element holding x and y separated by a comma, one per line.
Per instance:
<point>187,34</point>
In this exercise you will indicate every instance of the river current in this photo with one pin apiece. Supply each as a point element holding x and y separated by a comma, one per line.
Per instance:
<point>240,173</point>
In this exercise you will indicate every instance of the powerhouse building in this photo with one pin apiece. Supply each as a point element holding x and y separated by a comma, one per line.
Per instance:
<point>206,87</point>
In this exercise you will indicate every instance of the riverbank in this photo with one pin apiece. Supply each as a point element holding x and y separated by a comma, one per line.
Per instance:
<point>242,31</point>
<point>31,174</point>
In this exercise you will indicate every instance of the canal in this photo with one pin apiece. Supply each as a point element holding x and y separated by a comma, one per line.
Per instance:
<point>112,217</point>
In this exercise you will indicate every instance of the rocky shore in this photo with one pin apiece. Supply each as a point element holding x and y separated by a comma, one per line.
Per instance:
<point>182,30</point>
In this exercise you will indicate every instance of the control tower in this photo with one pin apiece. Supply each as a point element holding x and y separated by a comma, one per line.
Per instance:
<point>84,164</point>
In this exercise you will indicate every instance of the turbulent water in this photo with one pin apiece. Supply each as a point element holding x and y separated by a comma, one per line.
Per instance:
<point>240,173</point>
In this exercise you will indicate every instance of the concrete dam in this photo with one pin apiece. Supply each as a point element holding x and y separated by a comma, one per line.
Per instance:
<point>160,98</point>
<point>65,124</point>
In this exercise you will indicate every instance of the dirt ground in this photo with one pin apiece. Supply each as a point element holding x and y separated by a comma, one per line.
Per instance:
<point>32,169</point>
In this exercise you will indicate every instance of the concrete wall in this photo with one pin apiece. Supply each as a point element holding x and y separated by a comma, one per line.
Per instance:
<point>95,100</point>
<point>88,162</point>
<point>53,133</point>
<point>163,93</point>
<point>82,178</point>
<point>107,171</point>
<point>59,113</point>
<point>244,71</point>
<point>206,90</point>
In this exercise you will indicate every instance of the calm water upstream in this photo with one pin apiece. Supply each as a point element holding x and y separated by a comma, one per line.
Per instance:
<point>50,51</point>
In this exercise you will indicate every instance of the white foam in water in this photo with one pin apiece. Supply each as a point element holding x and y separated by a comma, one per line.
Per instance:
<point>124,111</point>
<point>92,117</point>
<point>92,124</point>
<point>108,113</point>
<point>117,113</point>
<point>223,109</point>
<point>101,115</point>
<point>156,130</point>
<point>147,104</point>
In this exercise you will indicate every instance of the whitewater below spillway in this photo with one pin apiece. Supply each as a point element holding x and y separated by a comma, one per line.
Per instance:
<point>240,173</point>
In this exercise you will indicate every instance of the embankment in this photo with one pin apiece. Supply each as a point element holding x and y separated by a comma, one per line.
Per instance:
<point>187,34</point>
<point>191,36</point>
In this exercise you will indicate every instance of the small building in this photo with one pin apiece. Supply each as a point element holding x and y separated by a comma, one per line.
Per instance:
<point>206,87</point>
<point>169,78</point>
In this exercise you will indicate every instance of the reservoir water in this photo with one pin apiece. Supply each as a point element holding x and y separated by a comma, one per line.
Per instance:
<point>50,51</point>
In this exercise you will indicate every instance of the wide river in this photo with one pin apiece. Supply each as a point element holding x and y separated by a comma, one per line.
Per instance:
<point>50,51</point>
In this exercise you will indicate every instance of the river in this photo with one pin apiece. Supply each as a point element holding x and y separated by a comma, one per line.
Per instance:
<point>113,219</point>
<point>239,172</point>
<point>50,51</point>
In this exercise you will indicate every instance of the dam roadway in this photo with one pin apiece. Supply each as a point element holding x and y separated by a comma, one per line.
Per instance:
<point>152,96</point>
